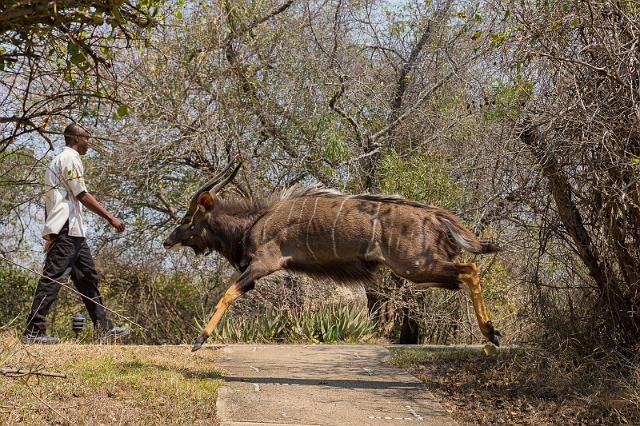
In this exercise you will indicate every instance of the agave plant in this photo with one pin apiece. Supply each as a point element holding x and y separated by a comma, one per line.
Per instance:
<point>329,324</point>
<point>272,327</point>
<point>333,323</point>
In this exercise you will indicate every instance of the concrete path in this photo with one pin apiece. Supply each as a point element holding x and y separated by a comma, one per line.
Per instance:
<point>337,385</point>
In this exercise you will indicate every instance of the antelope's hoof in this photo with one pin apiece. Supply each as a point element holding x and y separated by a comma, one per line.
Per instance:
<point>492,334</point>
<point>199,341</point>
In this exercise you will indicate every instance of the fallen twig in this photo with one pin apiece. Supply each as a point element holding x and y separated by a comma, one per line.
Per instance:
<point>17,372</point>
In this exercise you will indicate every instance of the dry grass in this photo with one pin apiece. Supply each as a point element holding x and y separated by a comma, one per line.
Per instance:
<point>108,384</point>
<point>525,387</point>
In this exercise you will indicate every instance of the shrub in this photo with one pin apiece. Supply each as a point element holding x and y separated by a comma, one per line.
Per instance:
<point>328,324</point>
<point>16,292</point>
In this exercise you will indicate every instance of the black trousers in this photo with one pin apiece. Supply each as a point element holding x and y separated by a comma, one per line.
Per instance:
<point>68,256</point>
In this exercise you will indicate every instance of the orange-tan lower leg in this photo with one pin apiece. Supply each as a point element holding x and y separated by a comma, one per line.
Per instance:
<point>472,279</point>
<point>229,296</point>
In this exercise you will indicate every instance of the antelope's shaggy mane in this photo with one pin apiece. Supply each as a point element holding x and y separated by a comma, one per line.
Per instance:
<point>318,191</point>
<point>243,206</point>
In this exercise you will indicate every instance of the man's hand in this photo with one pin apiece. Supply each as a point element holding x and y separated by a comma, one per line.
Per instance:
<point>116,223</point>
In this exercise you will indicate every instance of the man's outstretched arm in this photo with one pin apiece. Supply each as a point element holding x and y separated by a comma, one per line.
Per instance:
<point>92,204</point>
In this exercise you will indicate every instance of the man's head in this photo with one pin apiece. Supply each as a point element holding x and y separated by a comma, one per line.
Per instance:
<point>77,138</point>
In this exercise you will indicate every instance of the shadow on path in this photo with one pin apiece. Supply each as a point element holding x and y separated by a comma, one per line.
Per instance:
<point>346,384</point>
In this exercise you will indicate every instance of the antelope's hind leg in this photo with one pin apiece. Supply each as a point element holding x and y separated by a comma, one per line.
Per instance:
<point>451,276</point>
<point>235,290</point>
<point>469,275</point>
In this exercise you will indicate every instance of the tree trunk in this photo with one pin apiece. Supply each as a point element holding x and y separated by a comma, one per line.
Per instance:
<point>410,331</point>
<point>613,304</point>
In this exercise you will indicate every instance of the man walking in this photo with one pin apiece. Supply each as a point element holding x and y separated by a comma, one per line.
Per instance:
<point>67,252</point>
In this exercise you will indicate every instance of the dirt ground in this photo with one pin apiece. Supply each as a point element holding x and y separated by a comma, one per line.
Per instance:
<point>108,384</point>
<point>519,387</point>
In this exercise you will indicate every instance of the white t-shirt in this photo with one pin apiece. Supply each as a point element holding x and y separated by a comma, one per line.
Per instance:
<point>64,181</point>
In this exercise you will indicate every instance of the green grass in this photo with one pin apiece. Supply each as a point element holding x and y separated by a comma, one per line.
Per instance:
<point>141,380</point>
<point>108,384</point>
<point>410,356</point>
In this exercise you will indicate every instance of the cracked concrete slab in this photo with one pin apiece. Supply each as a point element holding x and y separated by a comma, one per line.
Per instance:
<point>337,385</point>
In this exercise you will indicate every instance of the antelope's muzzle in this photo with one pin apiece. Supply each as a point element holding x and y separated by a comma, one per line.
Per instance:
<point>170,245</point>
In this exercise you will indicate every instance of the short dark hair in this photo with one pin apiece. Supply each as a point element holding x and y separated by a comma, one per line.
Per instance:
<point>73,130</point>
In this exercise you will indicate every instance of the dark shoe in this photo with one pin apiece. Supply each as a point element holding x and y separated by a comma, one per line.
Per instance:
<point>38,337</point>
<point>115,332</point>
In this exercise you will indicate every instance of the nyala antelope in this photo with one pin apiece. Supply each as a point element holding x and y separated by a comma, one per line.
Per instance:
<point>330,234</point>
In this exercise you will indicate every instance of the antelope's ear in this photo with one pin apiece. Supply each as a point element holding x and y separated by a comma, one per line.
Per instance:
<point>205,201</point>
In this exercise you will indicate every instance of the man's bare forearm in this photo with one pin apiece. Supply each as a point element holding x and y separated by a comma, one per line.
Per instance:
<point>90,202</point>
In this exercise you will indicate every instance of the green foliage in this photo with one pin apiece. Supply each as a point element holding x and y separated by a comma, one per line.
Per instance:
<point>631,6</point>
<point>497,289</point>
<point>16,170</point>
<point>16,291</point>
<point>166,305</point>
<point>509,98</point>
<point>122,110</point>
<point>499,37</point>
<point>66,49</point>
<point>421,177</point>
<point>329,324</point>
<point>335,147</point>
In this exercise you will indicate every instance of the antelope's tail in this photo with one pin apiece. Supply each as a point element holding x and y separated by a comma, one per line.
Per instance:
<point>467,239</point>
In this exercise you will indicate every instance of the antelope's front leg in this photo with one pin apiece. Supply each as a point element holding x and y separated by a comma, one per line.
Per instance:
<point>230,295</point>
<point>472,279</point>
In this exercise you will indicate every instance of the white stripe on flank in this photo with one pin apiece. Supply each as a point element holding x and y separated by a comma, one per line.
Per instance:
<point>288,224</point>
<point>291,210</point>
<point>390,239</point>
<point>304,201</point>
<point>266,222</point>
<point>333,229</point>
<point>373,228</point>
<point>315,206</point>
